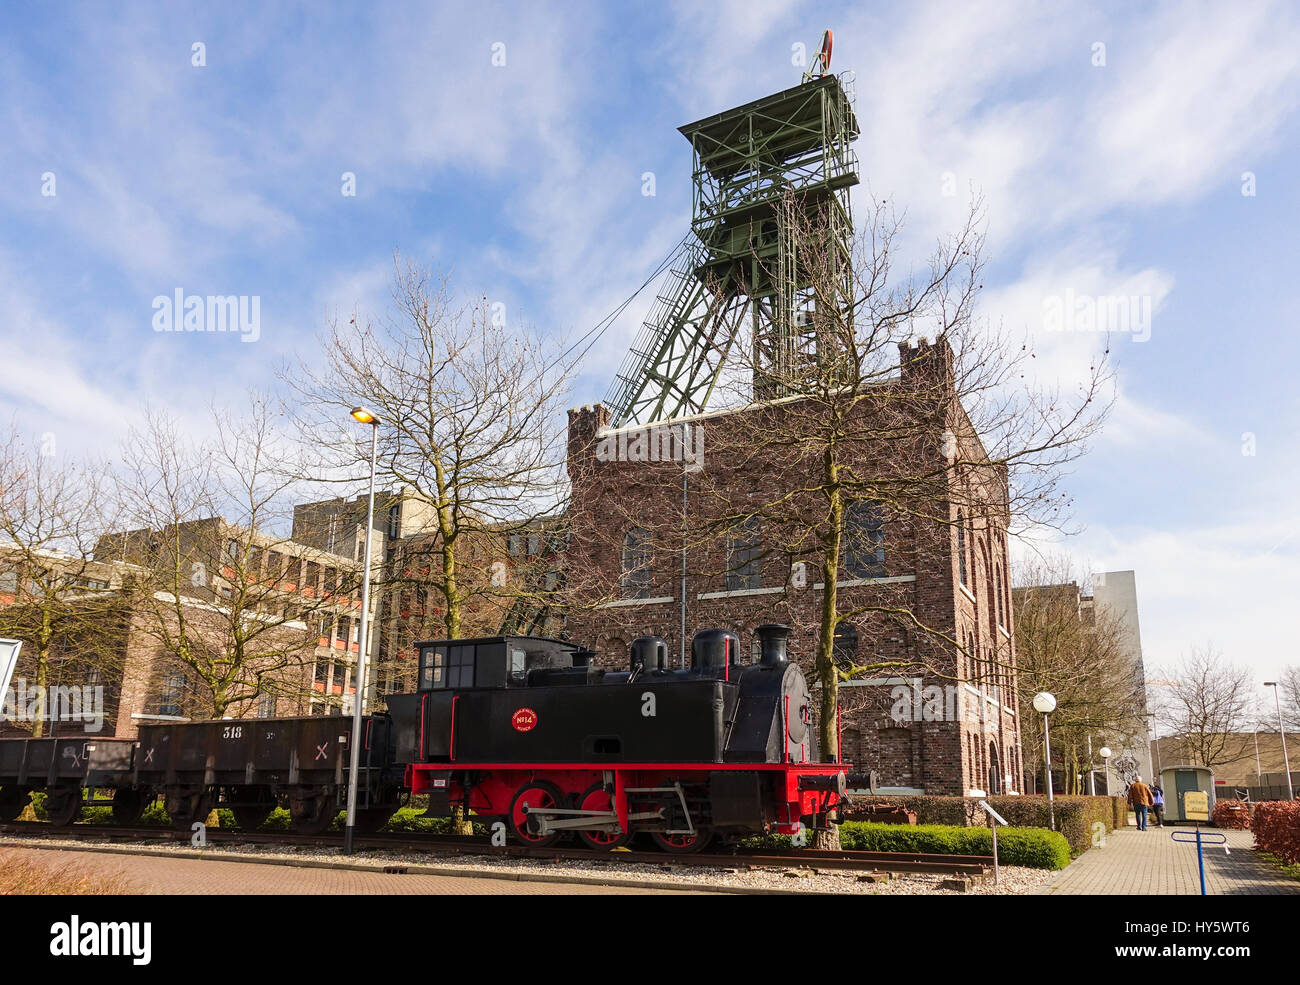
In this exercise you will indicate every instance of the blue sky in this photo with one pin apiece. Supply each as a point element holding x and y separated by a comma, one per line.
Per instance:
<point>524,179</point>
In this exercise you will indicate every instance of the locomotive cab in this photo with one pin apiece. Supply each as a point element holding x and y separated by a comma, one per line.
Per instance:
<point>498,661</point>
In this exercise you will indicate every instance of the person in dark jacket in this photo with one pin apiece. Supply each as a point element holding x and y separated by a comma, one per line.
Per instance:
<point>1158,804</point>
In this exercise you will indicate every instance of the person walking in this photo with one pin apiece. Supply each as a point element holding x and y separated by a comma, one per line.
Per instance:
<point>1158,804</point>
<point>1140,799</point>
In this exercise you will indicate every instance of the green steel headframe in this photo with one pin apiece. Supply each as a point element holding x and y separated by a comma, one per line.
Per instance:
<point>755,166</point>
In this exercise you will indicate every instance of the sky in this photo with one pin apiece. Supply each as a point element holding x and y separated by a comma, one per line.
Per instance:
<point>1124,150</point>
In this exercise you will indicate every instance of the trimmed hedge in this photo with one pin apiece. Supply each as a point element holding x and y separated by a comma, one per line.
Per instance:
<point>1231,814</point>
<point>1076,817</point>
<point>1276,825</point>
<point>1030,847</point>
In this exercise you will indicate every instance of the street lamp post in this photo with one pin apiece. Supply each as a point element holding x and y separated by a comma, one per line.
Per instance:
<point>363,643</point>
<point>1105,758</point>
<point>1092,773</point>
<point>1277,702</point>
<point>1045,704</point>
<point>1155,731</point>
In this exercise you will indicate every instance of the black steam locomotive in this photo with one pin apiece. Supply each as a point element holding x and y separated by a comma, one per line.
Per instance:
<point>522,730</point>
<point>529,731</point>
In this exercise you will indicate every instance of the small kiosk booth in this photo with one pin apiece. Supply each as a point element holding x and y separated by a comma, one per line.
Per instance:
<point>1176,781</point>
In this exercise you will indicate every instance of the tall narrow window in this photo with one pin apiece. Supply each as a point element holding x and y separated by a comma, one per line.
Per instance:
<point>173,691</point>
<point>744,548</point>
<point>997,587</point>
<point>961,547</point>
<point>864,541</point>
<point>635,578</point>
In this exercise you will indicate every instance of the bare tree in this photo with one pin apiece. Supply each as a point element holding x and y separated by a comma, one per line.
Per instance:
<point>1289,685</point>
<point>470,424</point>
<point>1206,705</point>
<point>224,591</point>
<point>845,468</point>
<point>53,595</point>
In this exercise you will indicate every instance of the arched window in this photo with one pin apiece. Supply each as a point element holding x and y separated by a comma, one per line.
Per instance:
<point>864,541</point>
<point>961,547</point>
<point>744,548</point>
<point>635,579</point>
<point>989,597</point>
<point>995,775</point>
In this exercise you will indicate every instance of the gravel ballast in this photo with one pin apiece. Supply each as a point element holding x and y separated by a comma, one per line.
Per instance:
<point>677,872</point>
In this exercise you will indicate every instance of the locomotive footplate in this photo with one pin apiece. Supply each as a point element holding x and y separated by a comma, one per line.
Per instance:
<point>683,801</point>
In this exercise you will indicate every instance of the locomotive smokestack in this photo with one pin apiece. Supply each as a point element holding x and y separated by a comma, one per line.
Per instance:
<point>772,639</point>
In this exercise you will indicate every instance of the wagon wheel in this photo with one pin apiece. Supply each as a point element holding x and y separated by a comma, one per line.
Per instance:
<point>312,815</point>
<point>13,801</point>
<point>534,796</point>
<point>251,805</point>
<point>683,844</point>
<point>185,809</point>
<point>129,804</point>
<point>63,805</point>
<point>597,798</point>
<point>371,819</point>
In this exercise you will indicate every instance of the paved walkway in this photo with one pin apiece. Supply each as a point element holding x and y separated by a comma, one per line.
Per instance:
<point>190,876</point>
<point>1150,863</point>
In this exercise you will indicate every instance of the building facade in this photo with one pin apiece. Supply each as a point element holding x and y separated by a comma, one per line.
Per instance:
<point>929,648</point>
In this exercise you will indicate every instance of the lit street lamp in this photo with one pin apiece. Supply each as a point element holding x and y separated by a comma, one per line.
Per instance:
<point>1045,704</point>
<point>1290,793</point>
<point>363,643</point>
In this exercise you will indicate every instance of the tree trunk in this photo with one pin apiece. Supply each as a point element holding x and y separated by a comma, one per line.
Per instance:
<point>41,707</point>
<point>827,675</point>
<point>460,822</point>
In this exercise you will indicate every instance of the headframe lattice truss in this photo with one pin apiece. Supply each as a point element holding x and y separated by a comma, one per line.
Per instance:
<point>752,166</point>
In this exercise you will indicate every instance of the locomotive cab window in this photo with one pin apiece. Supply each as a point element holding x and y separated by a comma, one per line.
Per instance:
<point>518,664</point>
<point>460,666</point>
<point>433,664</point>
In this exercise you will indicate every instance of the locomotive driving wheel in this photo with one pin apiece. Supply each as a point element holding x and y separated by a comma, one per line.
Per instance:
<point>682,843</point>
<point>532,797</point>
<point>597,798</point>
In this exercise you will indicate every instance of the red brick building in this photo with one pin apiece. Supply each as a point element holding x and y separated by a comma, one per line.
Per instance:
<point>930,709</point>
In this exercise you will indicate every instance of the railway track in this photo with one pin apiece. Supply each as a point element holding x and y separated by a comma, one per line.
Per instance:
<point>847,860</point>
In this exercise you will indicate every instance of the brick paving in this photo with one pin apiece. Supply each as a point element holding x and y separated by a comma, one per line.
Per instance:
<point>1150,863</point>
<point>191,876</point>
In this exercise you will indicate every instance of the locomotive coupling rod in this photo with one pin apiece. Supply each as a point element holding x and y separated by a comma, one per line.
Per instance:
<point>681,799</point>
